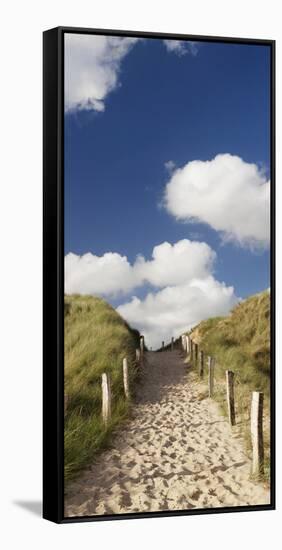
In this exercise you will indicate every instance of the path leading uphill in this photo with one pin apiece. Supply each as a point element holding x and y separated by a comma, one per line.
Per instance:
<point>176,452</point>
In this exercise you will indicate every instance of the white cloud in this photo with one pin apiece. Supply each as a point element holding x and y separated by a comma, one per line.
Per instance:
<point>186,290</point>
<point>175,264</point>
<point>112,274</point>
<point>175,309</point>
<point>109,274</point>
<point>230,195</point>
<point>182,47</point>
<point>92,65</point>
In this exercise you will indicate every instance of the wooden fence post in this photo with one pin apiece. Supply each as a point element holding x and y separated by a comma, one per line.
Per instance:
<point>142,345</point>
<point>106,398</point>
<point>257,433</point>
<point>125,378</point>
<point>196,352</point>
<point>162,345</point>
<point>172,343</point>
<point>138,355</point>
<point>201,364</point>
<point>191,351</point>
<point>230,396</point>
<point>211,375</point>
<point>183,341</point>
<point>187,345</point>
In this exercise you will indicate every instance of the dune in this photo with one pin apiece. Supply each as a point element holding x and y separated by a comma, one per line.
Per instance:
<point>175,452</point>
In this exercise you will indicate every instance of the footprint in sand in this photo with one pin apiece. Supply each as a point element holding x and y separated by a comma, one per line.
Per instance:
<point>176,452</point>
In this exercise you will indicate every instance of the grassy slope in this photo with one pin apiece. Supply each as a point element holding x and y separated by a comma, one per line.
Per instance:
<point>96,341</point>
<point>241,343</point>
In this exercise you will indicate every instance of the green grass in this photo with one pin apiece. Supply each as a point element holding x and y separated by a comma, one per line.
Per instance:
<point>241,342</point>
<point>96,341</point>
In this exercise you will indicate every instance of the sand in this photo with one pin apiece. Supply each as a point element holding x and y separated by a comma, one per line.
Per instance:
<point>176,452</point>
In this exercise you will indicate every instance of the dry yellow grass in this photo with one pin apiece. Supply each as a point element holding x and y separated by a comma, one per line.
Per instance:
<point>241,342</point>
<point>96,341</point>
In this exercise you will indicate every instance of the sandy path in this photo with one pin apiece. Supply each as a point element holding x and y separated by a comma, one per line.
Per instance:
<point>176,452</point>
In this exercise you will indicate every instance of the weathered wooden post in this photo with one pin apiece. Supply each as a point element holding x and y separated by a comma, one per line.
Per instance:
<point>191,351</point>
<point>142,345</point>
<point>196,352</point>
<point>230,396</point>
<point>162,345</point>
<point>187,345</point>
<point>257,433</point>
<point>211,375</point>
<point>201,364</point>
<point>138,355</point>
<point>183,341</point>
<point>172,343</point>
<point>106,398</point>
<point>125,378</point>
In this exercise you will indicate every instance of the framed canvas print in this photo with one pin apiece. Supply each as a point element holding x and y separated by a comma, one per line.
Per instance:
<point>159,174</point>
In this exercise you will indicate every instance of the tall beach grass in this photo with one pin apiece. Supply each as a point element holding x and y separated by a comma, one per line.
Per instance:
<point>96,341</point>
<point>240,342</point>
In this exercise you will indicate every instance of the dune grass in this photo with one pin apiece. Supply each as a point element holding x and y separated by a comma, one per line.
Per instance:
<point>241,342</point>
<point>96,341</point>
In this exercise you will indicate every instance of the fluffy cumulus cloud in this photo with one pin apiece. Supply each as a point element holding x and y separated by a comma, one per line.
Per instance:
<point>93,63</point>
<point>112,274</point>
<point>107,275</point>
<point>92,66</point>
<point>181,47</point>
<point>227,193</point>
<point>186,290</point>
<point>174,309</point>
<point>175,264</point>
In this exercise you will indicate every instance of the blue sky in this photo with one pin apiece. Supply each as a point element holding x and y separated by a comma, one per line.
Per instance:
<point>164,105</point>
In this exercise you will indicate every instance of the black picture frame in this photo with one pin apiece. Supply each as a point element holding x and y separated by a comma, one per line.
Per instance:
<point>53,272</point>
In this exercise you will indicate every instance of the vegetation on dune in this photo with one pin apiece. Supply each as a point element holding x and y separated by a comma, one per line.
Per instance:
<point>241,342</point>
<point>96,341</point>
